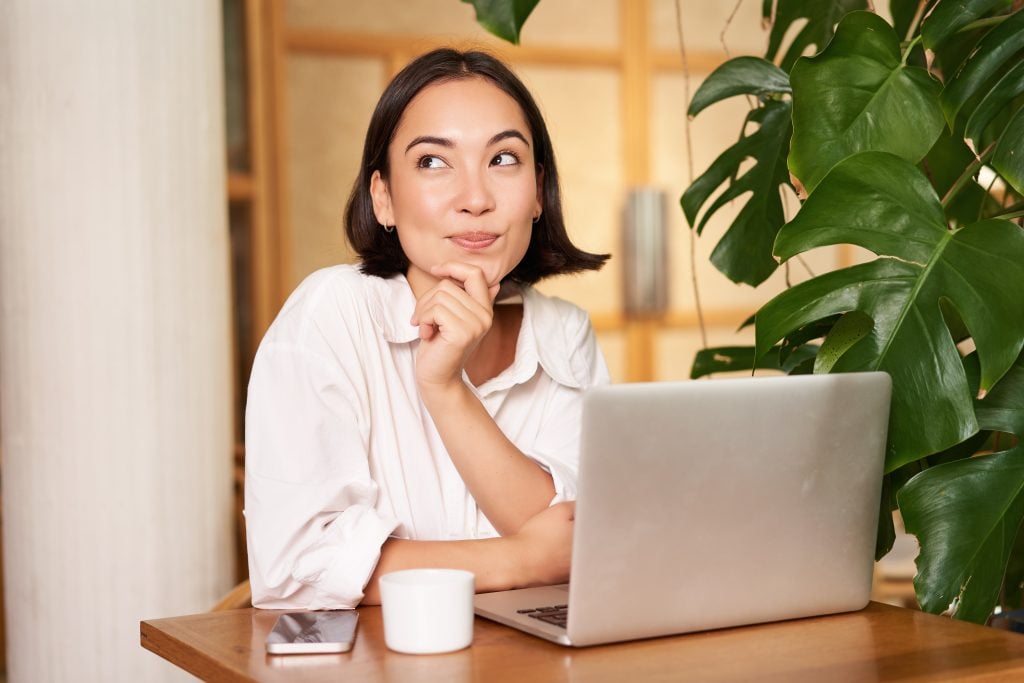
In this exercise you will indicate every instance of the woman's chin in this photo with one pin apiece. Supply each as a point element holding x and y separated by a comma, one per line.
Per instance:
<point>493,270</point>
<point>495,275</point>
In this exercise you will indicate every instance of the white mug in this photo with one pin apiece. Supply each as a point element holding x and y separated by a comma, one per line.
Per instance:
<point>427,610</point>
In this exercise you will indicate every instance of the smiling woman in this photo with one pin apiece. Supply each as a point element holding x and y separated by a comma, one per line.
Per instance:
<point>550,252</point>
<point>443,189</point>
<point>422,410</point>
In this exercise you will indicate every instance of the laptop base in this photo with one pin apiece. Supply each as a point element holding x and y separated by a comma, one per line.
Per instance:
<point>503,607</point>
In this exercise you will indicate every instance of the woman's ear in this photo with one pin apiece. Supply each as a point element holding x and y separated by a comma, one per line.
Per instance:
<point>381,200</point>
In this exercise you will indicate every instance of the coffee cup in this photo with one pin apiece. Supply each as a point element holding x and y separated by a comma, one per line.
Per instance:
<point>427,611</point>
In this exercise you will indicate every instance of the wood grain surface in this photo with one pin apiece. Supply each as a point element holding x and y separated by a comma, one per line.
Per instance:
<point>881,643</point>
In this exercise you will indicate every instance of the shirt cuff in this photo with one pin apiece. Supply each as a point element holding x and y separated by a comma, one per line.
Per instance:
<point>343,560</point>
<point>563,476</point>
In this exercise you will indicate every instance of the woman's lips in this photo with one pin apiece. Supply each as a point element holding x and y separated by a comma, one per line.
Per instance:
<point>473,241</point>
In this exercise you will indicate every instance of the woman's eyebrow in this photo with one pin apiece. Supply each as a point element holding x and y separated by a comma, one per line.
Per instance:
<point>429,140</point>
<point>506,134</point>
<point>445,142</point>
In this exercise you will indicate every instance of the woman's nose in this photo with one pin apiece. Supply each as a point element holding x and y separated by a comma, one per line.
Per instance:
<point>475,195</point>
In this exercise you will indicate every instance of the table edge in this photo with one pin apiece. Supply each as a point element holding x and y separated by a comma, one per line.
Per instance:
<point>206,668</point>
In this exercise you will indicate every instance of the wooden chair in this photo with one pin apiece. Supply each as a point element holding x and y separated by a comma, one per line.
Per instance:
<point>237,598</point>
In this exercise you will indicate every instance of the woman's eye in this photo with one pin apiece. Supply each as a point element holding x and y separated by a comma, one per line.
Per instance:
<point>505,159</point>
<point>429,161</point>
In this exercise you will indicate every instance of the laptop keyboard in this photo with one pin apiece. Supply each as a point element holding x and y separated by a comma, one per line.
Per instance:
<point>556,615</point>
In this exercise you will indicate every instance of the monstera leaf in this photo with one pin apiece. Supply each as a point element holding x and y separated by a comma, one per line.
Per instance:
<point>1013,581</point>
<point>949,17</point>
<point>883,203</point>
<point>744,254</point>
<point>993,52</point>
<point>736,358</point>
<point>847,331</point>
<point>503,18</point>
<point>821,22</point>
<point>739,76</point>
<point>1009,155</point>
<point>967,515</point>
<point>994,102</point>
<point>857,96</point>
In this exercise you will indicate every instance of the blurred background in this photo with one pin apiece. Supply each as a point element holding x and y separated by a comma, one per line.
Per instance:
<point>303,77</point>
<point>300,80</point>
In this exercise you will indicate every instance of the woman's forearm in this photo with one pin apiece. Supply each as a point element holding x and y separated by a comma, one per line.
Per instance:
<point>492,560</point>
<point>508,486</point>
<point>539,554</point>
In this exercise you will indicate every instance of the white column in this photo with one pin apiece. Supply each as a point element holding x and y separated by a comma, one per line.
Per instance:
<point>115,358</point>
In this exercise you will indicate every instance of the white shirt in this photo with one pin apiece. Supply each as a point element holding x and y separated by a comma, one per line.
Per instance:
<point>341,453</point>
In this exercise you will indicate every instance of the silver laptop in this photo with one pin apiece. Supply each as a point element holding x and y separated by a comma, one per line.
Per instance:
<point>716,503</point>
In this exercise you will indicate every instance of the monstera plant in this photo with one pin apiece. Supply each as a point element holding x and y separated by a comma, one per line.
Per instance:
<point>905,139</point>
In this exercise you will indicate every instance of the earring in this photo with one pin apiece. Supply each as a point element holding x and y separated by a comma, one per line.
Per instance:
<point>389,228</point>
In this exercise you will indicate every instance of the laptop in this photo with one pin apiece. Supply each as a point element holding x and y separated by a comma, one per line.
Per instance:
<point>704,505</point>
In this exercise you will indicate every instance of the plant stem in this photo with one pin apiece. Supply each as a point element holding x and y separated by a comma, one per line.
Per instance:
<point>1012,214</point>
<point>689,169</point>
<point>728,23</point>
<point>910,48</point>
<point>967,175</point>
<point>917,19</point>
<point>1010,209</point>
<point>804,264</point>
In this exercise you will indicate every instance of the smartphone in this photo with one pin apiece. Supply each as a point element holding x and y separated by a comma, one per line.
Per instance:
<point>313,632</point>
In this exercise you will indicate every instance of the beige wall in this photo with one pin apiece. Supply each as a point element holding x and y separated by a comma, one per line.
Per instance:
<point>115,404</point>
<point>329,98</point>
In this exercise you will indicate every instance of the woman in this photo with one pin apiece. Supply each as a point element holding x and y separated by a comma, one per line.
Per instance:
<point>397,417</point>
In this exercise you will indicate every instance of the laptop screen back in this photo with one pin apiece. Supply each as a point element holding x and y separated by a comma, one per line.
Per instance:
<point>726,502</point>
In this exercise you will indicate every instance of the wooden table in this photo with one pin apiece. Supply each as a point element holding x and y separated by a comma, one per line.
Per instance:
<point>881,643</point>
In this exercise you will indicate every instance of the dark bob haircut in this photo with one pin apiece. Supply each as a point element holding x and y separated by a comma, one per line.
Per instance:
<point>550,252</point>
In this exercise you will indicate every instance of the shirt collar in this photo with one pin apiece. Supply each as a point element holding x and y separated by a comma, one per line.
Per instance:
<point>392,307</point>
<point>544,329</point>
<point>542,339</point>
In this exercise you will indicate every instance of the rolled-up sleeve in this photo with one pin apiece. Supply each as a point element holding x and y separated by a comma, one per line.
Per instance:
<point>313,532</point>
<point>557,446</point>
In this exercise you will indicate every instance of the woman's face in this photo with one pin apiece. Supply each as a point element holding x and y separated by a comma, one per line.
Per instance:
<point>463,184</point>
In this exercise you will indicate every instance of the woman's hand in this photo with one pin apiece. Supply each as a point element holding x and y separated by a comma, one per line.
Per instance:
<point>453,316</point>
<point>544,544</point>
